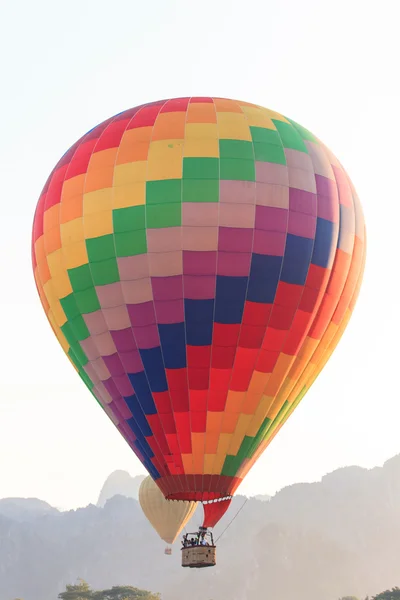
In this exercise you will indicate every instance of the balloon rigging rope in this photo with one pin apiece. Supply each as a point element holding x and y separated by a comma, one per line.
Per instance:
<point>230,523</point>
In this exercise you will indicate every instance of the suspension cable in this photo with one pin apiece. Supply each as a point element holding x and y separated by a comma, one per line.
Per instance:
<point>230,523</point>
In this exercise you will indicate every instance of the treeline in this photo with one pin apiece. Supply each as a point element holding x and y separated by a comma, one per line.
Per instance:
<point>393,594</point>
<point>82,591</point>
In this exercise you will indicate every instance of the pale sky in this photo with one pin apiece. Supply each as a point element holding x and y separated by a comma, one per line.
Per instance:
<point>331,66</point>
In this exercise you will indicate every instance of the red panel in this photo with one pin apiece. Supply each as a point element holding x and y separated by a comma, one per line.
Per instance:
<point>162,401</point>
<point>282,317</point>
<point>180,400</point>
<point>309,299</point>
<point>298,331</point>
<point>241,380</point>
<point>256,313</point>
<point>251,336</point>
<point>225,335</point>
<point>198,400</point>
<point>214,511</point>
<point>173,443</point>
<point>177,378</point>
<point>316,276</point>
<point>267,360</point>
<point>182,420</point>
<point>176,105</point>
<point>38,222</point>
<point>168,423</point>
<point>198,421</point>
<point>223,357</point>
<point>53,195</point>
<point>201,99</point>
<point>198,378</point>
<point>112,136</point>
<point>146,117</point>
<point>198,356</point>
<point>217,400</point>
<point>219,379</point>
<point>158,433</point>
<point>288,294</point>
<point>80,161</point>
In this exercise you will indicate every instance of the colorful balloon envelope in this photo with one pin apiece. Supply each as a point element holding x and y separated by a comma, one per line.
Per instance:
<point>198,260</point>
<point>168,517</point>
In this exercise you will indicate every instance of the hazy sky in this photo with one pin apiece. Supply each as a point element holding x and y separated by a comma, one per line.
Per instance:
<point>331,66</point>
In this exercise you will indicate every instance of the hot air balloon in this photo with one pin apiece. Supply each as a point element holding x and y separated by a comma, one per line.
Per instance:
<point>168,517</point>
<point>198,260</point>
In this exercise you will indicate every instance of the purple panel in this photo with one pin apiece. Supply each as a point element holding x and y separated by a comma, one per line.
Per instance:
<point>302,201</point>
<point>132,361</point>
<point>199,287</point>
<point>199,263</point>
<point>269,242</point>
<point>169,311</point>
<point>234,239</point>
<point>234,264</point>
<point>124,340</point>
<point>114,365</point>
<point>302,225</point>
<point>142,314</point>
<point>124,385</point>
<point>167,288</point>
<point>269,218</point>
<point>328,199</point>
<point>111,388</point>
<point>146,337</point>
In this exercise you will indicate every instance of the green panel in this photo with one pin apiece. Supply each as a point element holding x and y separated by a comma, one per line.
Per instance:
<point>80,356</point>
<point>259,436</point>
<point>68,334</point>
<point>267,136</point>
<point>100,248</point>
<point>105,271</point>
<point>236,149</point>
<point>165,191</point>
<point>79,329</point>
<point>129,219</point>
<point>269,153</point>
<point>74,358</point>
<point>86,379</point>
<point>87,301</point>
<point>238,169</point>
<point>70,307</point>
<point>163,215</point>
<point>200,168</point>
<point>290,137</point>
<point>305,134</point>
<point>232,463</point>
<point>131,243</point>
<point>80,278</point>
<point>200,190</point>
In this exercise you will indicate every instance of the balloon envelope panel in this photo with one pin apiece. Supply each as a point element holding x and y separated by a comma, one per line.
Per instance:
<point>198,260</point>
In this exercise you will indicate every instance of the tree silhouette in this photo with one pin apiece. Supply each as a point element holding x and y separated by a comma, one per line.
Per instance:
<point>82,591</point>
<point>393,594</point>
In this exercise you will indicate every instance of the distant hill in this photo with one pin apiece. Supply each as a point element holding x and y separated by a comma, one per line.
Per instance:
<point>120,483</point>
<point>320,541</point>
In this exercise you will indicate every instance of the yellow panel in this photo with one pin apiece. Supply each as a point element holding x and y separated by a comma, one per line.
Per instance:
<point>62,285</point>
<point>72,232</point>
<point>207,147</point>
<point>234,401</point>
<point>51,217</point>
<point>279,373</point>
<point>57,331</point>
<point>233,126</point>
<point>72,187</point>
<point>209,463</point>
<point>130,172</point>
<point>187,460</point>
<point>165,160</point>
<point>133,194</point>
<point>226,105</point>
<point>256,117</point>
<point>39,249</point>
<point>274,115</point>
<point>169,125</point>
<point>94,202</point>
<point>258,382</point>
<point>201,131</point>
<point>223,443</point>
<point>201,112</point>
<point>137,134</point>
<point>259,415</point>
<point>75,255</point>
<point>275,408</point>
<point>239,433</point>
<point>98,224</point>
<point>55,263</point>
<point>219,461</point>
<point>102,159</point>
<point>55,306</point>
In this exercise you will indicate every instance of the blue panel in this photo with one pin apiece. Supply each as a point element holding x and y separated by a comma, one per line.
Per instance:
<point>264,278</point>
<point>173,344</point>
<point>324,240</point>
<point>134,423</point>
<point>199,318</point>
<point>151,469</point>
<point>230,298</point>
<point>142,391</point>
<point>138,423</point>
<point>154,368</point>
<point>296,262</point>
